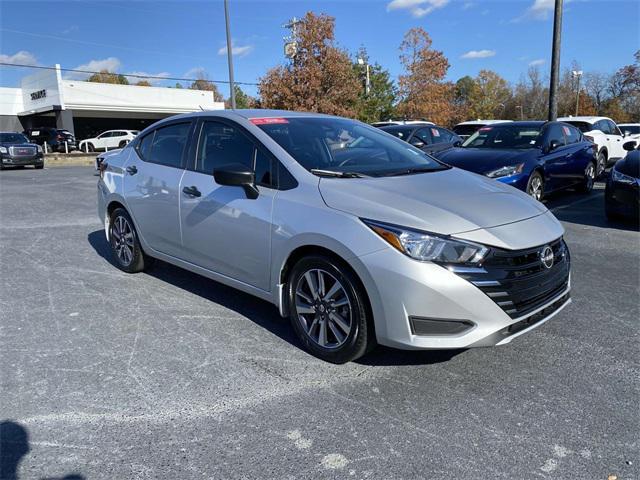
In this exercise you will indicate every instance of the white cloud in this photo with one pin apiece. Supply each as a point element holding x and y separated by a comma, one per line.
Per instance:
<point>539,10</point>
<point>479,54</point>
<point>537,63</point>
<point>152,81</point>
<point>237,50</point>
<point>468,5</point>
<point>418,8</point>
<point>111,64</point>
<point>71,29</point>
<point>19,58</point>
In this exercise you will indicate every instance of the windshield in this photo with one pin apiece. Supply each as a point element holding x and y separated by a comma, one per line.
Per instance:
<point>13,138</point>
<point>505,137</point>
<point>341,145</point>
<point>629,129</point>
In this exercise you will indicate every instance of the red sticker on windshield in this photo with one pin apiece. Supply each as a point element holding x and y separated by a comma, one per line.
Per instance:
<point>485,129</point>
<point>567,132</point>
<point>268,121</point>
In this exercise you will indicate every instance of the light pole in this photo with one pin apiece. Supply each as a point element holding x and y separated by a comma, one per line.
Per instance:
<point>229,56</point>
<point>577,74</point>
<point>367,82</point>
<point>555,61</point>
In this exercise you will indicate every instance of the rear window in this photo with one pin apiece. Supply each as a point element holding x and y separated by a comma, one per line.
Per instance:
<point>402,133</point>
<point>582,126</point>
<point>466,129</point>
<point>629,129</point>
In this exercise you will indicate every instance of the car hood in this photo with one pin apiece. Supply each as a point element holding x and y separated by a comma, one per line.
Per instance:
<point>447,202</point>
<point>484,160</point>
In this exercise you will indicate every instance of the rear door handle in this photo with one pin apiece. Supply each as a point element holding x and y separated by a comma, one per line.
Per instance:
<point>132,170</point>
<point>191,191</point>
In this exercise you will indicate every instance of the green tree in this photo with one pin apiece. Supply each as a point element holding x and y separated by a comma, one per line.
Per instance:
<point>243,100</point>
<point>378,103</point>
<point>105,76</point>
<point>489,95</point>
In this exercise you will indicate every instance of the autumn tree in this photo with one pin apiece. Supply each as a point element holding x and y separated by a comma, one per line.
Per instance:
<point>143,83</point>
<point>320,77</point>
<point>202,82</point>
<point>423,92</point>
<point>378,103</point>
<point>488,95</point>
<point>105,76</point>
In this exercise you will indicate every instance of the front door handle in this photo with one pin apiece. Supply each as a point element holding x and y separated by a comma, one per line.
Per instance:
<point>132,170</point>
<point>191,191</point>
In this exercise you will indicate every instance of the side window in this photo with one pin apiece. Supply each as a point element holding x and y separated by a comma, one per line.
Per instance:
<point>613,128</point>
<point>603,126</point>
<point>264,170</point>
<point>221,144</point>
<point>443,135</point>
<point>144,146</point>
<point>423,135</point>
<point>555,133</point>
<point>572,134</point>
<point>168,145</point>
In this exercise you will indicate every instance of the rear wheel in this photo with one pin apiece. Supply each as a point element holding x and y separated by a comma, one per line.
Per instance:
<point>589,178</point>
<point>123,143</point>
<point>602,162</point>
<point>328,309</point>
<point>89,147</point>
<point>535,186</point>
<point>124,242</point>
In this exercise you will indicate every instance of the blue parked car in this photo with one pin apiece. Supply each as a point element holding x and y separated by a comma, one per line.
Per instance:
<point>536,157</point>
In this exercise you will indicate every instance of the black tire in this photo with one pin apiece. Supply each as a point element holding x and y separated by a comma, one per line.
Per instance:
<point>90,147</point>
<point>123,144</point>
<point>589,178</point>
<point>601,161</point>
<point>359,339</point>
<point>535,186</point>
<point>38,167</point>
<point>127,252</point>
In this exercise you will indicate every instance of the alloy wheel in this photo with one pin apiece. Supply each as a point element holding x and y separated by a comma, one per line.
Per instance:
<point>122,240</point>
<point>323,308</point>
<point>535,188</point>
<point>590,176</point>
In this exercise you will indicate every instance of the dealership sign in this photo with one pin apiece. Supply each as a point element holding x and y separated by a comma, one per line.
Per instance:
<point>39,94</point>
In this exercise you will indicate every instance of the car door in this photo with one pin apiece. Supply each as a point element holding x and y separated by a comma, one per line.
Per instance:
<point>580,151</point>
<point>151,185</point>
<point>222,229</point>
<point>101,140</point>
<point>615,140</point>
<point>555,161</point>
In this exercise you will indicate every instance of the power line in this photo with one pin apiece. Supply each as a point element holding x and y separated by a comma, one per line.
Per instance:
<point>134,75</point>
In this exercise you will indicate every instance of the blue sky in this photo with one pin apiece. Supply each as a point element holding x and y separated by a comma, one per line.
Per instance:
<point>177,38</point>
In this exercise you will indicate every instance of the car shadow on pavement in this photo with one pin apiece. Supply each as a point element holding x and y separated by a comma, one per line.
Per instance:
<point>581,209</point>
<point>14,446</point>
<point>263,313</point>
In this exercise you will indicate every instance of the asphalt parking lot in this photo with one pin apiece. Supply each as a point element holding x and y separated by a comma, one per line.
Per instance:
<point>166,374</point>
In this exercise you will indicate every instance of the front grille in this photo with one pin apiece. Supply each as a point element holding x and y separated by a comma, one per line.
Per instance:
<point>517,280</point>
<point>22,151</point>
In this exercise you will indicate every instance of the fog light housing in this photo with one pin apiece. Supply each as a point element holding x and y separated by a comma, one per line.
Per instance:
<point>438,326</point>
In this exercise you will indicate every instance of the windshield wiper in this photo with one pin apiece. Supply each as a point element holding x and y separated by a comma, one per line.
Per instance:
<point>411,171</point>
<point>333,173</point>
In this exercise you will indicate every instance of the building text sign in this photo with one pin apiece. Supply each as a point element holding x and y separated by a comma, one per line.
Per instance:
<point>37,95</point>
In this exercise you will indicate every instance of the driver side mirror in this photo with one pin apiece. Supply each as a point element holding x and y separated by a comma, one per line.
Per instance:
<point>629,146</point>
<point>416,142</point>
<point>237,175</point>
<point>457,143</point>
<point>553,144</point>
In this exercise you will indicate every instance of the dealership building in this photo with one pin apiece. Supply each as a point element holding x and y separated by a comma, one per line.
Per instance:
<point>45,99</point>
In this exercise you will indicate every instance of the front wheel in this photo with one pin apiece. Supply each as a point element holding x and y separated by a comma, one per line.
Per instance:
<point>589,178</point>
<point>602,163</point>
<point>125,246</point>
<point>535,186</point>
<point>328,310</point>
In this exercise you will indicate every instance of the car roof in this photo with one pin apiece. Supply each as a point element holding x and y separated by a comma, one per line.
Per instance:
<point>483,122</point>
<point>583,118</point>
<point>628,124</point>
<point>523,123</point>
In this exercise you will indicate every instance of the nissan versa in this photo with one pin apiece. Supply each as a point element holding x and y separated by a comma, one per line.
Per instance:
<point>357,236</point>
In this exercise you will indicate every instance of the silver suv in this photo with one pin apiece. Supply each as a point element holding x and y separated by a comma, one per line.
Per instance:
<point>356,236</point>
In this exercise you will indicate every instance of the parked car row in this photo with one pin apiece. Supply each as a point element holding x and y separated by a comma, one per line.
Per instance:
<point>59,140</point>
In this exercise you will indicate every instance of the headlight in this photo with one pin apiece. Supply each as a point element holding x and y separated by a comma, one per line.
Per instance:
<point>616,176</point>
<point>425,246</point>
<point>506,171</point>
<point>4,150</point>
<point>39,147</point>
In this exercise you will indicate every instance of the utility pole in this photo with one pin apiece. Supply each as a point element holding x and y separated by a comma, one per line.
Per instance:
<point>232,87</point>
<point>363,60</point>
<point>577,74</point>
<point>291,40</point>
<point>555,61</point>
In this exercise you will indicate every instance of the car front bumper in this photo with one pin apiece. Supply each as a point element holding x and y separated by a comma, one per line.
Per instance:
<point>8,160</point>
<point>428,306</point>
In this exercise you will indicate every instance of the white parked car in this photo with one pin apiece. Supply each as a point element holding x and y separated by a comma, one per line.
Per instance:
<point>465,129</point>
<point>630,131</point>
<point>604,133</point>
<point>108,140</point>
